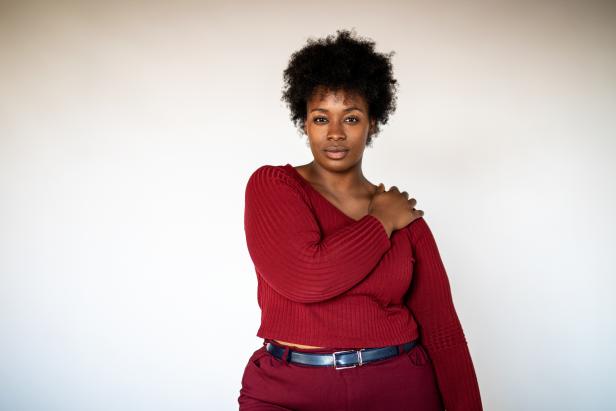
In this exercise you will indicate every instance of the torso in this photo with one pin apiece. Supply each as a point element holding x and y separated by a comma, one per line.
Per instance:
<point>357,209</point>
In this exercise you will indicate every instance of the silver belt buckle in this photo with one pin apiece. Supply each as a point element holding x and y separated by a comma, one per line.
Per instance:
<point>359,358</point>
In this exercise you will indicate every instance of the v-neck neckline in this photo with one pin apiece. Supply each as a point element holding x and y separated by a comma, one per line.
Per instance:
<point>307,183</point>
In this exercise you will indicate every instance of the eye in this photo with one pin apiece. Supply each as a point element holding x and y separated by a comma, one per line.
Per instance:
<point>322,120</point>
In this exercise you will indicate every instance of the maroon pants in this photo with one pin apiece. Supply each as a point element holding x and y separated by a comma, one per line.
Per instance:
<point>405,382</point>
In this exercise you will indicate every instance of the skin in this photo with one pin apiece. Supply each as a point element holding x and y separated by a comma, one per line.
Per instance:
<point>341,118</point>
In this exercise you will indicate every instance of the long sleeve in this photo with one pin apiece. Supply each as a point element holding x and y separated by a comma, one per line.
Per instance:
<point>441,333</point>
<point>288,248</point>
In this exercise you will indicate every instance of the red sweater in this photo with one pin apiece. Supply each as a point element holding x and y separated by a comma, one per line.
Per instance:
<point>326,279</point>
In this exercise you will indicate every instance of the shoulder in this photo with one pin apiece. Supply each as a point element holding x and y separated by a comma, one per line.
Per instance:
<point>418,229</point>
<point>269,176</point>
<point>268,172</point>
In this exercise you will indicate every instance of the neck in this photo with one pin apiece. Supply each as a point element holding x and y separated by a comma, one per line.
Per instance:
<point>344,181</point>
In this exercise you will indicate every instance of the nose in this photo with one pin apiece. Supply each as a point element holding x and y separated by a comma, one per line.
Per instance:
<point>335,131</point>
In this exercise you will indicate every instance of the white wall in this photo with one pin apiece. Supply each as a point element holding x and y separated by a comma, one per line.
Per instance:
<point>127,134</point>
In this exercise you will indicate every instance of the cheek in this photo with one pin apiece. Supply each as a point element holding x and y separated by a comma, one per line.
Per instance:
<point>317,129</point>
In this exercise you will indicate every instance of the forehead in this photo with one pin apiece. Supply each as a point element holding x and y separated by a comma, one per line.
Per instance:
<point>323,95</point>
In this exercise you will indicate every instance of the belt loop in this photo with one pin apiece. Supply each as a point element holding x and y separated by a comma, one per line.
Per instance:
<point>285,354</point>
<point>400,348</point>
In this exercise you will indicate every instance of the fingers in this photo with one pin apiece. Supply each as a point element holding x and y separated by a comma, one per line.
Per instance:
<point>412,202</point>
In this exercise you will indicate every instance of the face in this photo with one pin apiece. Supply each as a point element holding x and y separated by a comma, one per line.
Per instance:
<point>337,125</point>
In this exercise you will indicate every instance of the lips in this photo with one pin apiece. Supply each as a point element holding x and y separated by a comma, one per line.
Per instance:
<point>336,153</point>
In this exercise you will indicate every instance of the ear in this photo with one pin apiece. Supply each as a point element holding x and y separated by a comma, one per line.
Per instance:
<point>372,125</point>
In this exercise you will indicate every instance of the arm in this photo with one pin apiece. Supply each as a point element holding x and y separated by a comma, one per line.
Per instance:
<point>441,333</point>
<point>290,252</point>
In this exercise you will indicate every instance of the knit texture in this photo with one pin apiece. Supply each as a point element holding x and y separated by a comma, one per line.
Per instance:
<point>329,280</point>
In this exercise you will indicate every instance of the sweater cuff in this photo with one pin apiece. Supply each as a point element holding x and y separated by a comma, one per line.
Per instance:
<point>378,227</point>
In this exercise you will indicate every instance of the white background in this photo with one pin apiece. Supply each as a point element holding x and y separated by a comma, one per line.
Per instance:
<point>128,132</point>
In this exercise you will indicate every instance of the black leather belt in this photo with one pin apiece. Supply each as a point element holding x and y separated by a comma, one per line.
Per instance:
<point>340,359</point>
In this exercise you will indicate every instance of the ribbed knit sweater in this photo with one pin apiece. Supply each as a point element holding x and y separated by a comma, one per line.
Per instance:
<point>329,280</point>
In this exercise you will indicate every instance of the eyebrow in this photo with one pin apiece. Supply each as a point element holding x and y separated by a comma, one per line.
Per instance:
<point>346,109</point>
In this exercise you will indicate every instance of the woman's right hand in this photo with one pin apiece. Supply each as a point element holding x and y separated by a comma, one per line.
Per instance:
<point>393,208</point>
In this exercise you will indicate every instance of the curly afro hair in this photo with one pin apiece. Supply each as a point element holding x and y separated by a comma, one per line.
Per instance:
<point>345,62</point>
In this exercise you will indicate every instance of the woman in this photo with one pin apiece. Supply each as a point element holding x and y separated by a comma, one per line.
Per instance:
<point>357,312</point>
